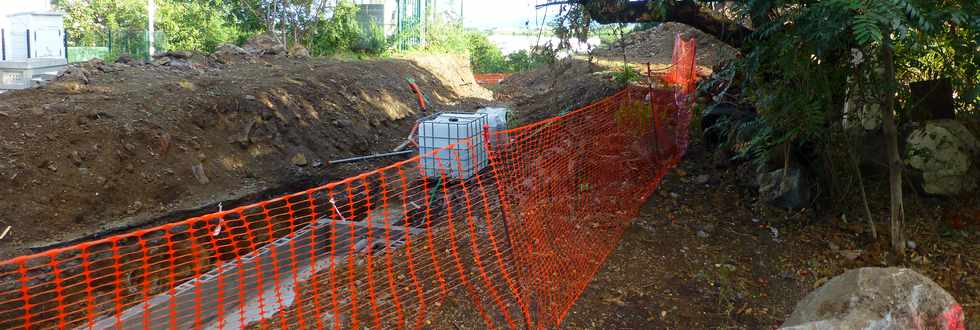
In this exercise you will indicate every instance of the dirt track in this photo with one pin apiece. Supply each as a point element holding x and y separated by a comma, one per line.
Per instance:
<point>141,145</point>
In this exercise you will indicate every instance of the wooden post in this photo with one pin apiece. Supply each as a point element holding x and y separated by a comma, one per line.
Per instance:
<point>151,9</point>
<point>895,164</point>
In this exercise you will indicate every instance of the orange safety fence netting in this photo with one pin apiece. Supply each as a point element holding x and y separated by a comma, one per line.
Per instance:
<point>490,78</point>
<point>683,70</point>
<point>518,220</point>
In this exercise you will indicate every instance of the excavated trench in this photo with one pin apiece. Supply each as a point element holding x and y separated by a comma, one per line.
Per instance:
<point>243,261</point>
<point>193,141</point>
<point>131,147</point>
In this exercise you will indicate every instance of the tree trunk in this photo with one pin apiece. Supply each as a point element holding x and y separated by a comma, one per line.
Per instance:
<point>895,165</point>
<point>682,11</point>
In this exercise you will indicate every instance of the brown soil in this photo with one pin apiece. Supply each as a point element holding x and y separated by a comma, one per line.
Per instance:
<point>656,46</point>
<point>551,90</point>
<point>82,159</point>
<point>750,263</point>
<point>740,274</point>
<point>698,256</point>
<point>573,83</point>
<point>737,273</point>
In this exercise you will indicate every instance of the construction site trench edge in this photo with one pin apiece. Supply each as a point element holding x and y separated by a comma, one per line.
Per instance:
<point>518,219</point>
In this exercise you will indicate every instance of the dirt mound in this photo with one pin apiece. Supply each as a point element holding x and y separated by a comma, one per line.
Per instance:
<point>114,146</point>
<point>551,90</point>
<point>454,71</point>
<point>656,46</point>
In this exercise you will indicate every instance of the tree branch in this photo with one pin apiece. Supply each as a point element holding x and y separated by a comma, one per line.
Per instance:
<point>682,11</point>
<point>556,3</point>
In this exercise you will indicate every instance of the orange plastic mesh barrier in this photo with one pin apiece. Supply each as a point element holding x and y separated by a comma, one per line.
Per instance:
<point>518,220</point>
<point>490,78</point>
<point>684,70</point>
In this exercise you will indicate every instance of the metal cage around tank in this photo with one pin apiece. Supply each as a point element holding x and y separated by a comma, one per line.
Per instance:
<point>462,131</point>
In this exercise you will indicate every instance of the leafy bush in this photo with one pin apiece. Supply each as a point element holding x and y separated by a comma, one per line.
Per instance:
<point>447,38</point>
<point>373,41</point>
<point>485,56</point>
<point>626,75</point>
<point>194,26</point>
<point>524,60</point>
<point>340,33</point>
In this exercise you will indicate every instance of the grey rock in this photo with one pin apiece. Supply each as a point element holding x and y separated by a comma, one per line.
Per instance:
<point>299,159</point>
<point>265,44</point>
<point>789,191</point>
<point>198,170</point>
<point>944,157</point>
<point>76,158</point>
<point>228,54</point>
<point>299,51</point>
<point>179,63</point>
<point>341,123</point>
<point>161,61</point>
<point>850,254</point>
<point>702,179</point>
<point>877,298</point>
<point>181,54</point>
<point>74,73</point>
<point>702,234</point>
<point>125,58</point>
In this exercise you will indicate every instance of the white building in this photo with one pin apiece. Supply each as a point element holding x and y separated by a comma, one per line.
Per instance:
<point>31,43</point>
<point>378,12</point>
<point>386,13</point>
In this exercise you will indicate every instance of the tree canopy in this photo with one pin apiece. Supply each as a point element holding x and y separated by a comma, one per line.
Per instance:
<point>802,61</point>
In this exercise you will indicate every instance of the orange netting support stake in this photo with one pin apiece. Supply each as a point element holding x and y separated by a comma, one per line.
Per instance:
<point>516,221</point>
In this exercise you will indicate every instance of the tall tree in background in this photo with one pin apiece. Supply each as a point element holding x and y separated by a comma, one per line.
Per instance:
<point>291,21</point>
<point>187,24</point>
<point>199,25</point>
<point>796,59</point>
<point>91,22</point>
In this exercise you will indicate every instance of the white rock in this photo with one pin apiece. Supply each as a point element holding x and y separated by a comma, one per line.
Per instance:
<point>944,154</point>
<point>877,298</point>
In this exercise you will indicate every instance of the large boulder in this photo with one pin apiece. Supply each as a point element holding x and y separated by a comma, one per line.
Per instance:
<point>785,189</point>
<point>877,298</point>
<point>299,51</point>
<point>74,74</point>
<point>181,58</point>
<point>265,44</point>
<point>125,58</point>
<point>944,156</point>
<point>228,54</point>
<point>718,121</point>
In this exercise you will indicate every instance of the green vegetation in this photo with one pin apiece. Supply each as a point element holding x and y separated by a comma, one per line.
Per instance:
<point>626,74</point>
<point>485,56</point>
<point>804,60</point>
<point>121,24</point>
<point>339,33</point>
<point>326,28</point>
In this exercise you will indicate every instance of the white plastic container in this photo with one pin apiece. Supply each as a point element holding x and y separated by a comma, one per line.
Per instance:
<point>497,119</point>
<point>464,131</point>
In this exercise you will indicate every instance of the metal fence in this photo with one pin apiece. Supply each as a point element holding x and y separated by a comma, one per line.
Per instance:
<point>111,44</point>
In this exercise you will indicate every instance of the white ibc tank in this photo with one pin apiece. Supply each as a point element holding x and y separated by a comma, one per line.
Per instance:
<point>464,131</point>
